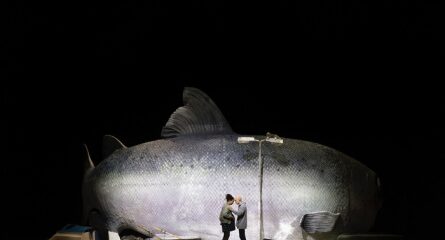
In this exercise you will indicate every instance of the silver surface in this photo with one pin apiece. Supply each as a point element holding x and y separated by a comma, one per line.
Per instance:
<point>179,184</point>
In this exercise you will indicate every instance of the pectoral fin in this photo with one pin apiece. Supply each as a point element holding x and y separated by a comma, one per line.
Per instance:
<point>319,222</point>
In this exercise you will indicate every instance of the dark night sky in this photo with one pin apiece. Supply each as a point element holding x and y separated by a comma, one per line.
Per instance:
<point>353,76</point>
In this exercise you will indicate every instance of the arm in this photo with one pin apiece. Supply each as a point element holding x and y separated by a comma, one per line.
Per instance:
<point>241,210</point>
<point>227,214</point>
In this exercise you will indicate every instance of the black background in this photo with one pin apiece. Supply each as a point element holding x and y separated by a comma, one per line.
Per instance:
<point>361,77</point>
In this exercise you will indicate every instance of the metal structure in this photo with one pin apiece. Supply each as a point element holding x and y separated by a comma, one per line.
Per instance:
<point>272,139</point>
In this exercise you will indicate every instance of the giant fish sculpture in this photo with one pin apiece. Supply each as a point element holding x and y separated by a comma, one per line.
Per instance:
<point>177,185</point>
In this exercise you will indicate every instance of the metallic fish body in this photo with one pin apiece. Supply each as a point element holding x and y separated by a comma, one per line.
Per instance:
<point>178,185</point>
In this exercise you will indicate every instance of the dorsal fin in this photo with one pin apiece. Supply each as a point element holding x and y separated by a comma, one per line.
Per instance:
<point>88,162</point>
<point>199,115</point>
<point>109,145</point>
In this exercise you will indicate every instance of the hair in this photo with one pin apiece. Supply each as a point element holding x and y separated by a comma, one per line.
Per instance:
<point>229,197</point>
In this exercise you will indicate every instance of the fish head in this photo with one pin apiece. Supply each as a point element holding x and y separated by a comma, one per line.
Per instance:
<point>365,197</point>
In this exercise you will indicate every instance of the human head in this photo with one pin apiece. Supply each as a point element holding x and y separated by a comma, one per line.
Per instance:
<point>238,199</point>
<point>229,199</point>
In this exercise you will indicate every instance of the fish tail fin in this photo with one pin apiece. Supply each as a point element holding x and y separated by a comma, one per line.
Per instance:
<point>88,163</point>
<point>88,168</point>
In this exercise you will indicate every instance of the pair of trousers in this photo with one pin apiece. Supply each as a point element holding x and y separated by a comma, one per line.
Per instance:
<point>226,235</point>
<point>242,234</point>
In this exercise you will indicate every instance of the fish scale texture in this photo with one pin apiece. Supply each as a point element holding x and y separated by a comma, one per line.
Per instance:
<point>178,185</point>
